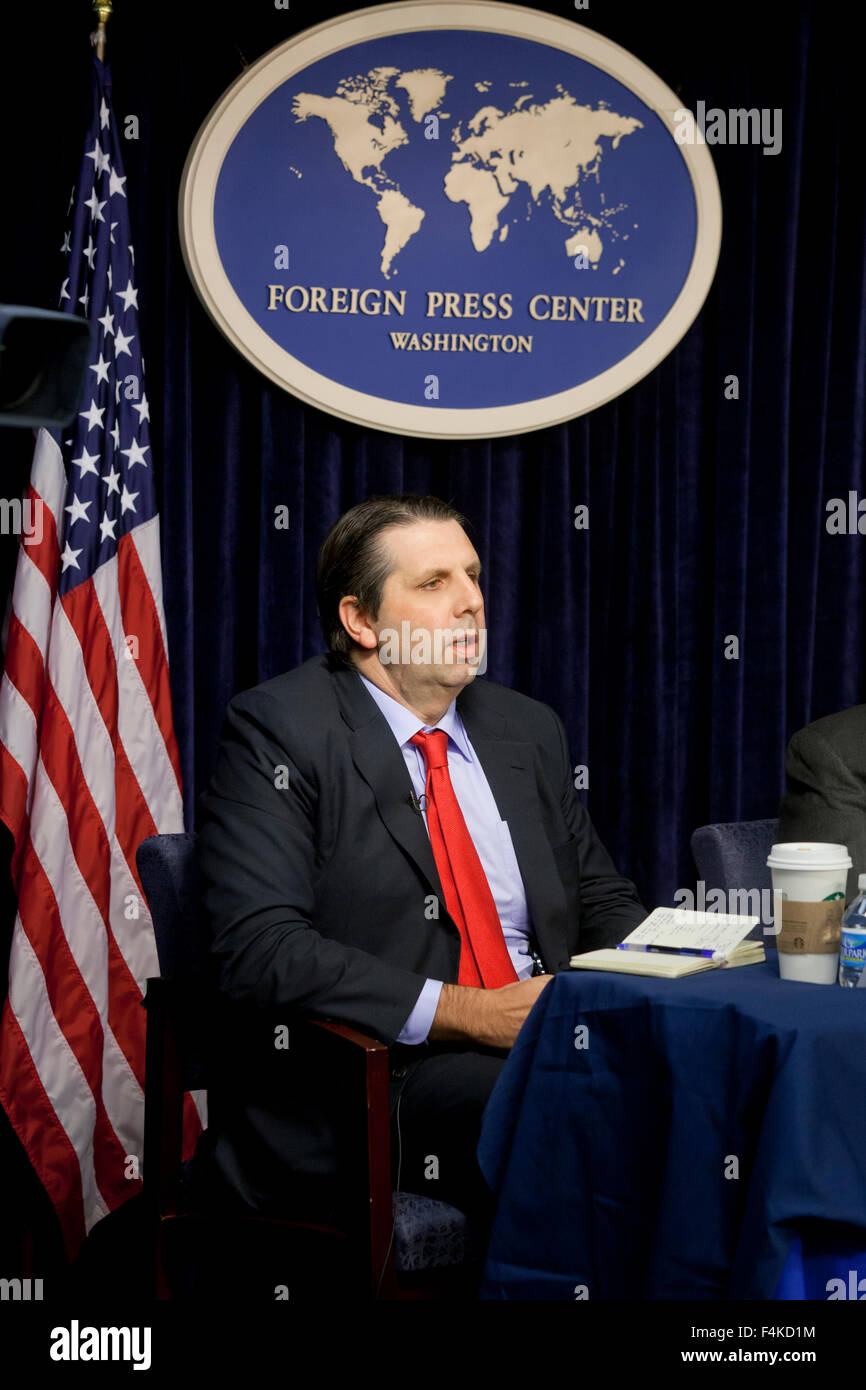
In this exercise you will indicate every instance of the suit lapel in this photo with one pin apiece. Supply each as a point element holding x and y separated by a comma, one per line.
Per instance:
<point>378,758</point>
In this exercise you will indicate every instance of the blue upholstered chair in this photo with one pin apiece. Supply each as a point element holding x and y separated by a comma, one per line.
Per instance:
<point>733,856</point>
<point>405,1245</point>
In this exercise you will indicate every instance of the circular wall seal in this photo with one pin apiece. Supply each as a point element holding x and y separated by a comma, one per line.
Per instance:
<point>453,220</point>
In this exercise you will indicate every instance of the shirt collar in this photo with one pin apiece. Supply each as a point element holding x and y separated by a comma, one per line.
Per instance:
<point>404,724</point>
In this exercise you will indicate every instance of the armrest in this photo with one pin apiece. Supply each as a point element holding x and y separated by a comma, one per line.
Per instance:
<point>355,1068</point>
<point>350,1036</point>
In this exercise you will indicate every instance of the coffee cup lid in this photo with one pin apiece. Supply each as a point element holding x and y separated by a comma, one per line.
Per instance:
<point>809,854</point>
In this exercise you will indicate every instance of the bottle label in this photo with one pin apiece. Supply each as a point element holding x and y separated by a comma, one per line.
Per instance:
<point>853,949</point>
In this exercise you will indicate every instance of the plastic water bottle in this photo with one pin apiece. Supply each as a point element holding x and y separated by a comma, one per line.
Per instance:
<point>852,954</point>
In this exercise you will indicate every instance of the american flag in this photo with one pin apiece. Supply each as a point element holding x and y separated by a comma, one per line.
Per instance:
<point>89,764</point>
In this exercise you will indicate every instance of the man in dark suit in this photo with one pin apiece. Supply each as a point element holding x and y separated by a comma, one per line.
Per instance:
<point>826,786</point>
<point>390,842</point>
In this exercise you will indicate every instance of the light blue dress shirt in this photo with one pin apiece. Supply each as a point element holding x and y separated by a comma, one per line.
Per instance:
<point>490,835</point>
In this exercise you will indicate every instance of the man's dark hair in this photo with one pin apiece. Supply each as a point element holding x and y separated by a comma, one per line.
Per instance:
<point>353,559</point>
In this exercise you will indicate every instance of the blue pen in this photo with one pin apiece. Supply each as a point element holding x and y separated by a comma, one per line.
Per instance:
<point>671,950</point>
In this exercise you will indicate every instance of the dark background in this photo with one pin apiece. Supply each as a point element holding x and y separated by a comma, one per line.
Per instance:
<point>707,516</point>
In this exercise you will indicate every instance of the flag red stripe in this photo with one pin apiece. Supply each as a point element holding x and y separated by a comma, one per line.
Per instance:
<point>86,830</point>
<point>24,666</point>
<point>45,555</point>
<point>35,1122</point>
<point>141,619</point>
<point>76,1014</point>
<point>13,802</point>
<point>134,822</point>
<point>93,856</point>
<point>84,613</point>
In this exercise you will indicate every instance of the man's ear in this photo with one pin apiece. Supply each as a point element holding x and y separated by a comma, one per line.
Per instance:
<point>355,620</point>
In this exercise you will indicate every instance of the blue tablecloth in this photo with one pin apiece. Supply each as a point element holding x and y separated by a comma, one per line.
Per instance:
<point>698,1128</point>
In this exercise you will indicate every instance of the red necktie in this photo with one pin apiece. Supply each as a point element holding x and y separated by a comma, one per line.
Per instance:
<point>484,959</point>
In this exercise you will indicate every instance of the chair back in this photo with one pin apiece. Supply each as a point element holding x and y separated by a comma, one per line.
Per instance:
<point>732,856</point>
<point>168,867</point>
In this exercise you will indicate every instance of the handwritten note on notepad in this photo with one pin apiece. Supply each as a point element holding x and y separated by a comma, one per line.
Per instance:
<point>677,929</point>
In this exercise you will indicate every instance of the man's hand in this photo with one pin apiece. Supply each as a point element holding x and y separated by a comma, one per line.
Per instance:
<point>492,1017</point>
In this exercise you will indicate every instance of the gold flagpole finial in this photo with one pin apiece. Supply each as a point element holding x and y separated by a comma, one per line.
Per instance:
<point>102,9</point>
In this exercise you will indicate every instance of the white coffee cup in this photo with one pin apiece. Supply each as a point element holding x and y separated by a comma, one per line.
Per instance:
<point>809,880</point>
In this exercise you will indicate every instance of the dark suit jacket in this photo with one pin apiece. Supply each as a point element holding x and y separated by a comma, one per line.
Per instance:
<point>826,779</point>
<point>322,892</point>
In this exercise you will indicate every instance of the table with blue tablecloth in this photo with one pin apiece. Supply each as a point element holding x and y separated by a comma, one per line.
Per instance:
<point>699,1138</point>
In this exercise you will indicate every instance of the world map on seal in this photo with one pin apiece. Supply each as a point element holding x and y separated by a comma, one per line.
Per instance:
<point>551,150</point>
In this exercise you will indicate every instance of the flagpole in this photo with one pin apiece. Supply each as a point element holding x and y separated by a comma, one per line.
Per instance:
<point>102,9</point>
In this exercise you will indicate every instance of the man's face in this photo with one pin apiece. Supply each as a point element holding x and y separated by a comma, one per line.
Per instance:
<point>431,597</point>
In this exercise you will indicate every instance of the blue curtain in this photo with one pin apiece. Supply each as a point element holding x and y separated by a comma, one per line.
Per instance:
<point>706,515</point>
